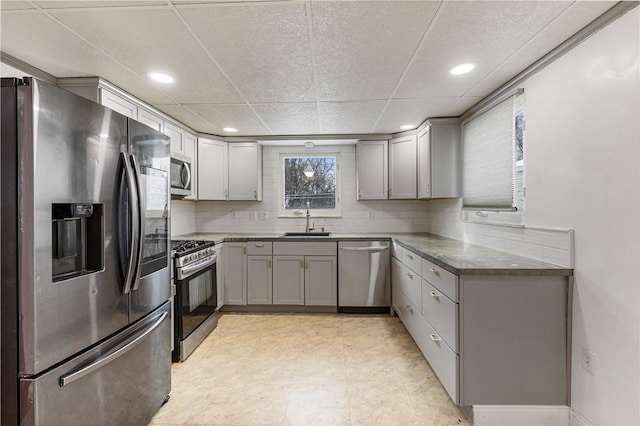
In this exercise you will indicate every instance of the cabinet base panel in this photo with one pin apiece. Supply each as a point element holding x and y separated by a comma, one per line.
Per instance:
<point>280,309</point>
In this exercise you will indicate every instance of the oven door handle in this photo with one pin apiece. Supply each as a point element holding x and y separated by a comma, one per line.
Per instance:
<point>194,268</point>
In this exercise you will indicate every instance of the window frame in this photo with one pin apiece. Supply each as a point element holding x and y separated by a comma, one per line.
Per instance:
<point>297,213</point>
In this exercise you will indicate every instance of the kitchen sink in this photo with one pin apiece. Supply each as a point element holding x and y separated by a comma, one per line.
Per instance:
<point>306,234</point>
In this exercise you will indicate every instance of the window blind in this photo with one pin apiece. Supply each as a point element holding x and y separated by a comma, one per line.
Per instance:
<point>488,158</point>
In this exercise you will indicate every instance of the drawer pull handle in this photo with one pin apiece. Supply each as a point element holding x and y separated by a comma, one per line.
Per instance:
<point>435,337</point>
<point>409,256</point>
<point>410,308</point>
<point>434,295</point>
<point>434,271</point>
<point>410,275</point>
<point>259,245</point>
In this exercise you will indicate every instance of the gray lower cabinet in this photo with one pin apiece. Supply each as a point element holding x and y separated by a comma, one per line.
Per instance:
<point>235,273</point>
<point>259,280</point>
<point>288,280</point>
<point>490,339</point>
<point>320,281</point>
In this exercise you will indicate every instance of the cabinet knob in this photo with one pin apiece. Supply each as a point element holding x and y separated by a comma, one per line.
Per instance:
<point>434,271</point>
<point>435,337</point>
<point>434,295</point>
<point>259,245</point>
<point>410,275</point>
<point>410,308</point>
<point>226,194</point>
<point>269,264</point>
<point>410,256</point>
<point>302,264</point>
<point>255,194</point>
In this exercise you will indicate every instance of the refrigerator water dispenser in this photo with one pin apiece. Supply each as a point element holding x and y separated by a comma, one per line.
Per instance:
<point>77,240</point>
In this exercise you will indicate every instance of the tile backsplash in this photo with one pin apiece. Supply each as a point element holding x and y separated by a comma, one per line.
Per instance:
<point>262,217</point>
<point>441,217</point>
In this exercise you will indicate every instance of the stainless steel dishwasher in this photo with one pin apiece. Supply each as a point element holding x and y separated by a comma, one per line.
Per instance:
<point>363,277</point>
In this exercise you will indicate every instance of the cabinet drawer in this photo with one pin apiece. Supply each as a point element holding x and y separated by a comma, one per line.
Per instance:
<point>442,360</point>
<point>443,280</point>
<point>307,248</point>
<point>259,248</point>
<point>411,287</point>
<point>407,257</point>
<point>441,313</point>
<point>411,318</point>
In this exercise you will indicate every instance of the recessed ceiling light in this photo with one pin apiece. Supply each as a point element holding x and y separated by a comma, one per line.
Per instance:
<point>162,78</point>
<point>230,129</point>
<point>461,69</point>
<point>407,127</point>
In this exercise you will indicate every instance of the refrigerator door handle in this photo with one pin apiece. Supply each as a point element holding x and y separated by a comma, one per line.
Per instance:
<point>72,377</point>
<point>134,214</point>
<point>140,218</point>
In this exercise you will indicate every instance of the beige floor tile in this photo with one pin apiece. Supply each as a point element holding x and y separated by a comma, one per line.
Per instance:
<point>298,369</point>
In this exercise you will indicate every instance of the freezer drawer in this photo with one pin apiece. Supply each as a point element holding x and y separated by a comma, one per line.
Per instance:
<point>363,274</point>
<point>122,381</point>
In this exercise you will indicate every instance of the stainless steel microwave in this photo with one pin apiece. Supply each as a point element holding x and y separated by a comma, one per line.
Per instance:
<point>180,175</point>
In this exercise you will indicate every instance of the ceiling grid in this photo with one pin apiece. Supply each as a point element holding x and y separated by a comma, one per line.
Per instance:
<point>299,67</point>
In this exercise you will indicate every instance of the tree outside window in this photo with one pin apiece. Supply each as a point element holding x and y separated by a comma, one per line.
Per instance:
<point>310,182</point>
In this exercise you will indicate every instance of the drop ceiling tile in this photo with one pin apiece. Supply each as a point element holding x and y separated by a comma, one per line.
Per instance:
<point>263,47</point>
<point>460,106</point>
<point>73,4</point>
<point>568,23</point>
<point>41,42</point>
<point>484,33</point>
<point>410,111</point>
<point>239,116</point>
<point>163,46</point>
<point>362,48</point>
<point>14,5</point>
<point>299,118</point>
<point>349,117</point>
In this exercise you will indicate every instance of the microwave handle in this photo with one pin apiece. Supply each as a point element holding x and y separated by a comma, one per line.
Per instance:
<point>187,181</point>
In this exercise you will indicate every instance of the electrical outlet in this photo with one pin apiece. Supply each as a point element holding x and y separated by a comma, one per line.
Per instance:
<point>588,361</point>
<point>236,214</point>
<point>370,214</point>
<point>264,215</point>
<point>254,215</point>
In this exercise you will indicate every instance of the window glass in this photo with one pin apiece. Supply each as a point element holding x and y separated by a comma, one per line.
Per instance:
<point>309,182</point>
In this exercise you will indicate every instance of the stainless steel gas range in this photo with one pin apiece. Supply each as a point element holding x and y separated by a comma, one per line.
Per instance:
<point>195,303</point>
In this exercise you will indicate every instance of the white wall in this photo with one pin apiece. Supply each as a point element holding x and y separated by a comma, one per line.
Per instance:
<point>583,172</point>
<point>239,216</point>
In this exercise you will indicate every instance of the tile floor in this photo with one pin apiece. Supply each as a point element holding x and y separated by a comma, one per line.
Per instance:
<point>298,369</point>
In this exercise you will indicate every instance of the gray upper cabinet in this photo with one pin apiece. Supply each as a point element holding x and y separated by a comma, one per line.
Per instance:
<point>212,169</point>
<point>245,171</point>
<point>372,170</point>
<point>439,156</point>
<point>402,168</point>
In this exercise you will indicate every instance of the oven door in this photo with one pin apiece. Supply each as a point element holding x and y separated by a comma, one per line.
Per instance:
<point>196,295</point>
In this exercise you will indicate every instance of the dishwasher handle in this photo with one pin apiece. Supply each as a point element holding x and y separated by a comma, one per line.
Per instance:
<point>369,249</point>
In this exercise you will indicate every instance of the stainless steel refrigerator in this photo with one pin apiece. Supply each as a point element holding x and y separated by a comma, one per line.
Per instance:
<point>84,251</point>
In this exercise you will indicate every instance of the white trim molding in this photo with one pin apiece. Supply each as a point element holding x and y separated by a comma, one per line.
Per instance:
<point>521,415</point>
<point>577,419</point>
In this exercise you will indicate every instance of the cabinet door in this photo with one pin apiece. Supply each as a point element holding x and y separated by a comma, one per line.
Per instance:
<point>288,280</point>
<point>175,134</point>
<point>402,167</point>
<point>118,104</point>
<point>235,274</point>
<point>245,171</point>
<point>212,169</point>
<point>150,119</point>
<point>424,163</point>
<point>220,274</point>
<point>189,147</point>
<point>372,170</point>
<point>259,280</point>
<point>320,281</point>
